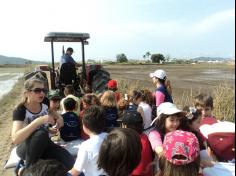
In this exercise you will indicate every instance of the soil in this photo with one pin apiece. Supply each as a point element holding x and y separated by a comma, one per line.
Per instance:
<point>183,77</point>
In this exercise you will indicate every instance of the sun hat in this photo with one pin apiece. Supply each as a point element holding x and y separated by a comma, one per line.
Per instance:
<point>167,108</point>
<point>54,94</point>
<point>132,117</point>
<point>180,143</point>
<point>221,139</point>
<point>112,84</point>
<point>161,74</point>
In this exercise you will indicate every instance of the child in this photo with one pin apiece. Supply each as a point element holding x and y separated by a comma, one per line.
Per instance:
<point>120,152</point>
<point>204,103</point>
<point>134,101</point>
<point>180,155</point>
<point>110,108</point>
<point>163,91</point>
<point>86,161</point>
<point>112,85</point>
<point>87,101</point>
<point>191,123</point>
<point>167,120</point>
<point>221,146</point>
<point>46,168</point>
<point>69,91</point>
<point>54,99</point>
<point>145,109</point>
<point>134,121</point>
<point>71,129</point>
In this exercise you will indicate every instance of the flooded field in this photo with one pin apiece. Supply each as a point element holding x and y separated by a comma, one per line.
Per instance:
<point>8,78</point>
<point>204,77</point>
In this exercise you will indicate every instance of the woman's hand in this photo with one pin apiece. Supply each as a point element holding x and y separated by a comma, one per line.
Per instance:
<point>59,122</point>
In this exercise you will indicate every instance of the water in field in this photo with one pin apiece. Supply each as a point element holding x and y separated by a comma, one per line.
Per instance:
<point>8,80</point>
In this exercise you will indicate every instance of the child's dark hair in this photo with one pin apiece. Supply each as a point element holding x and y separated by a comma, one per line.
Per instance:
<point>160,125</point>
<point>147,97</point>
<point>192,114</point>
<point>46,168</point>
<point>203,100</point>
<point>120,152</point>
<point>135,96</point>
<point>94,119</point>
<point>69,104</point>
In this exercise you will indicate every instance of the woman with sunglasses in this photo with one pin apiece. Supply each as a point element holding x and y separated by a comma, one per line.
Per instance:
<point>31,120</point>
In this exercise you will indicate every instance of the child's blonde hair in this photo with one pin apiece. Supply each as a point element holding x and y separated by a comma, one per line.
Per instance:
<point>108,99</point>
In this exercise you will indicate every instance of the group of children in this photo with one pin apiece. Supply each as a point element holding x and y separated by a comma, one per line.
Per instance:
<point>142,134</point>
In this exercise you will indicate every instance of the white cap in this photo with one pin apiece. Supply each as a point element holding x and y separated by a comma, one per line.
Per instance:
<point>220,127</point>
<point>161,74</point>
<point>166,108</point>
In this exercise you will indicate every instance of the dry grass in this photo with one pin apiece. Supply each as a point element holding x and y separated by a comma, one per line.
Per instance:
<point>224,102</point>
<point>223,95</point>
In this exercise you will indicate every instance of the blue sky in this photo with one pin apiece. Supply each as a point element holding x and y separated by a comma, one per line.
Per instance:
<point>178,28</point>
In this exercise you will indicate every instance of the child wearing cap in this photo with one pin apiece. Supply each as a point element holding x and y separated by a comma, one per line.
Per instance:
<point>167,120</point>
<point>221,146</point>
<point>134,121</point>
<point>204,103</point>
<point>71,129</point>
<point>163,88</point>
<point>180,155</point>
<point>112,85</point>
<point>86,161</point>
<point>54,99</point>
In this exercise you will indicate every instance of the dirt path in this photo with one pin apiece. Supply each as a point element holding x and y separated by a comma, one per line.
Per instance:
<point>7,105</point>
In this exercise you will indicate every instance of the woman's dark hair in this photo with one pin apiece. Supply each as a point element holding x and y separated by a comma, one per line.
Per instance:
<point>94,119</point>
<point>169,169</point>
<point>120,152</point>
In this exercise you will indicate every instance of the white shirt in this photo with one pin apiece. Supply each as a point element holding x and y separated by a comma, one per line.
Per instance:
<point>220,169</point>
<point>87,156</point>
<point>147,111</point>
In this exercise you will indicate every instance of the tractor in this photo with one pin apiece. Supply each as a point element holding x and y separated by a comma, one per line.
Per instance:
<point>92,77</point>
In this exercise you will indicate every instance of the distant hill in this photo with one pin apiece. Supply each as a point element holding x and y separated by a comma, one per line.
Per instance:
<point>211,59</point>
<point>4,60</point>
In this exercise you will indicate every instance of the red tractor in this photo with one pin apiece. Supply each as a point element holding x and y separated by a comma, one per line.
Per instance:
<point>93,77</point>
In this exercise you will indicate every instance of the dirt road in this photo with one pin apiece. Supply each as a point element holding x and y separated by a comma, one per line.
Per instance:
<point>6,109</point>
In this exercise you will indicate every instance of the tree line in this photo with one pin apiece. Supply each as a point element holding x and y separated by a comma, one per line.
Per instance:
<point>155,58</point>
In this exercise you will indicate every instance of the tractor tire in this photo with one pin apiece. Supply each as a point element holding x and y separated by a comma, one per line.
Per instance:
<point>99,81</point>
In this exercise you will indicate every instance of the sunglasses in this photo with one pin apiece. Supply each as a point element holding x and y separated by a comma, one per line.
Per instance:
<point>39,90</point>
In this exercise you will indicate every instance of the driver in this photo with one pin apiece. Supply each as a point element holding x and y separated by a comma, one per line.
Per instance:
<point>67,57</point>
